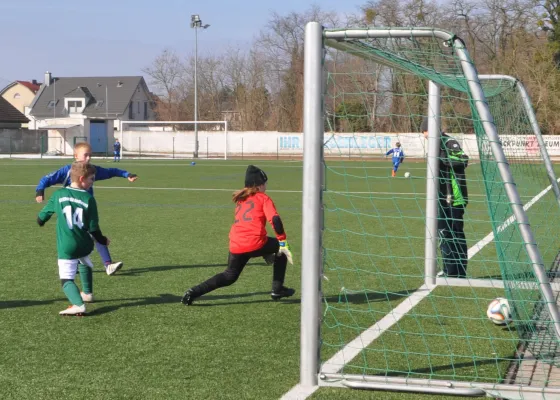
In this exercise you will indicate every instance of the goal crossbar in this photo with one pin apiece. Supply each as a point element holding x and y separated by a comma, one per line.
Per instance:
<point>123,124</point>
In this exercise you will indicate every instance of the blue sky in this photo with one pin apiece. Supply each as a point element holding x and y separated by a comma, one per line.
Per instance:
<point>120,37</point>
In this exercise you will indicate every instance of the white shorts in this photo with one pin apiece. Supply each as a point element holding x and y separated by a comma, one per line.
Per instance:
<point>67,269</point>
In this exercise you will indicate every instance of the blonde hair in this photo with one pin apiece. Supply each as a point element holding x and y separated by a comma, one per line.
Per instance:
<point>79,169</point>
<point>81,145</point>
<point>244,193</point>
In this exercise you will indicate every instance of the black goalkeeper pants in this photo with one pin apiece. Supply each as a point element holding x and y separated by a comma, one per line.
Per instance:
<point>236,263</point>
<point>453,244</point>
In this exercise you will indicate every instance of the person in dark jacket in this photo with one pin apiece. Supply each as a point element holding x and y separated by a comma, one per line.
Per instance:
<point>453,199</point>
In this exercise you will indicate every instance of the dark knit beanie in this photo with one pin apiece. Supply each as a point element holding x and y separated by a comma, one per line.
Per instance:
<point>254,176</point>
<point>424,125</point>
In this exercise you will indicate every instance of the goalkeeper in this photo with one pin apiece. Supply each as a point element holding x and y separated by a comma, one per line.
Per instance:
<point>248,239</point>
<point>453,199</point>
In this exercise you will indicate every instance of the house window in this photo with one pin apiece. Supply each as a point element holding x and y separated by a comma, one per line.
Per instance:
<point>52,103</point>
<point>17,96</point>
<point>130,111</point>
<point>145,110</point>
<point>138,107</point>
<point>74,106</point>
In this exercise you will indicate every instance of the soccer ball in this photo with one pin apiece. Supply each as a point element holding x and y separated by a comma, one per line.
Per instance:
<point>407,174</point>
<point>193,163</point>
<point>499,311</point>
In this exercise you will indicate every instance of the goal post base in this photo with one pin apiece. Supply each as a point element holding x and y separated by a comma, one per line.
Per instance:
<point>441,387</point>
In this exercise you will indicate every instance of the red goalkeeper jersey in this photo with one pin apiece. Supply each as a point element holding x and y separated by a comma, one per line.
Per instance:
<point>248,232</point>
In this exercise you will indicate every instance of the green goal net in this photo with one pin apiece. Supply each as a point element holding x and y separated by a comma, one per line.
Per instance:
<point>387,318</point>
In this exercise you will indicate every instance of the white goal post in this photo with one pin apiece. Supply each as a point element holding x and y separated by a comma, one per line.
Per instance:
<point>175,139</point>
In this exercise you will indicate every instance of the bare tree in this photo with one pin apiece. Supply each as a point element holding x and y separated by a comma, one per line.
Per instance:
<point>167,77</point>
<point>281,45</point>
<point>263,86</point>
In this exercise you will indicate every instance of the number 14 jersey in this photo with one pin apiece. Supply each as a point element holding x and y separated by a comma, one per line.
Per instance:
<point>248,232</point>
<point>76,212</point>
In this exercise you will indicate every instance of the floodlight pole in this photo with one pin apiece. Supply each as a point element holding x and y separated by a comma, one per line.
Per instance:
<point>106,103</point>
<point>196,23</point>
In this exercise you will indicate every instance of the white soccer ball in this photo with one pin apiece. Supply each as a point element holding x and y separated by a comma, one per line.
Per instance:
<point>499,311</point>
<point>407,174</point>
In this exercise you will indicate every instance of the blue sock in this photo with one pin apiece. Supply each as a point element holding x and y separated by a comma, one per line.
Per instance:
<point>104,253</point>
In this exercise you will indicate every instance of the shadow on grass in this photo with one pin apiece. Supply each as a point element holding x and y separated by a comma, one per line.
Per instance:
<point>215,299</point>
<point>209,300</point>
<point>171,298</point>
<point>497,277</point>
<point>430,372</point>
<point>4,304</point>
<point>369,297</point>
<point>160,268</point>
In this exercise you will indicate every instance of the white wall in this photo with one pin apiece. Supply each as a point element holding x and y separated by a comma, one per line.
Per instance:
<point>62,140</point>
<point>282,143</point>
<point>264,143</point>
<point>261,143</point>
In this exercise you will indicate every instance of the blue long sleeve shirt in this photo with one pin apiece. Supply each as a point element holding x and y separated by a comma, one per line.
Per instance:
<point>398,154</point>
<point>62,176</point>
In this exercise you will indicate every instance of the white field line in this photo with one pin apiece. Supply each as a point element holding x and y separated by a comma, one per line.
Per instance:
<point>233,190</point>
<point>490,237</point>
<point>225,164</point>
<point>354,348</point>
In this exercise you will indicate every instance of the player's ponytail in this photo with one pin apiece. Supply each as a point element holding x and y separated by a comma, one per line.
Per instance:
<point>244,193</point>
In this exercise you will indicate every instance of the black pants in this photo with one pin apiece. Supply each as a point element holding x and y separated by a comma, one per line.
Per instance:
<point>453,244</point>
<point>236,263</point>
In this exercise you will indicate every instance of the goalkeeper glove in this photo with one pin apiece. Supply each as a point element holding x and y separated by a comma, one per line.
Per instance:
<point>285,249</point>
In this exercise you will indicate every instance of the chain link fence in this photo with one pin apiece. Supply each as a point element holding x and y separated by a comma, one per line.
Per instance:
<point>23,141</point>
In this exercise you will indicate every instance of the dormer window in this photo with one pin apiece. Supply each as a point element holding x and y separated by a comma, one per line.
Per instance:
<point>75,106</point>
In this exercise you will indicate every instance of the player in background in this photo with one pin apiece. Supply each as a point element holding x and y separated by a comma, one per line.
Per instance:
<point>117,151</point>
<point>248,239</point>
<point>82,152</point>
<point>77,222</point>
<point>398,158</point>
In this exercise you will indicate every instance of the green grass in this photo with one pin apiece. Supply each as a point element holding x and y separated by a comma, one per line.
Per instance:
<point>140,342</point>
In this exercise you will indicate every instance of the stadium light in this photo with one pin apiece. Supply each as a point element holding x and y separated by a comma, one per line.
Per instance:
<point>196,23</point>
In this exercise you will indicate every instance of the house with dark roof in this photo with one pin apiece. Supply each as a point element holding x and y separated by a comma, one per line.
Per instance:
<point>89,108</point>
<point>10,117</point>
<point>20,94</point>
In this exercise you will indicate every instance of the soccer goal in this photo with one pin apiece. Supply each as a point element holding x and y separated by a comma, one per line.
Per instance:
<point>375,315</point>
<point>174,139</point>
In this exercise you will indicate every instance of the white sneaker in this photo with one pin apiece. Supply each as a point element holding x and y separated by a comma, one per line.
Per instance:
<point>113,268</point>
<point>74,310</point>
<point>87,297</point>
